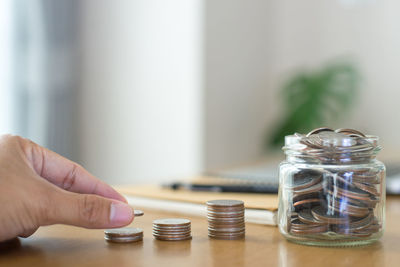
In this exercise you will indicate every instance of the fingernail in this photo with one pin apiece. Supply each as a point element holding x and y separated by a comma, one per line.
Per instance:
<point>120,214</point>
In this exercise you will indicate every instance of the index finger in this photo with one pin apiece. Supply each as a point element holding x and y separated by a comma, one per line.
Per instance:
<point>67,174</point>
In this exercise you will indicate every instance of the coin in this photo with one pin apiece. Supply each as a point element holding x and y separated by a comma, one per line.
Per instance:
<point>239,218</point>
<point>349,209</point>
<point>123,235</point>
<point>224,203</point>
<point>177,229</point>
<point>322,214</point>
<point>138,213</point>
<point>303,181</point>
<point>367,188</point>
<point>226,214</point>
<point>301,228</point>
<point>173,238</point>
<point>171,222</point>
<point>312,189</point>
<point>169,232</point>
<point>169,235</point>
<point>354,193</point>
<point>227,237</point>
<point>225,230</point>
<point>306,203</point>
<point>318,130</point>
<point>352,226</point>
<point>305,216</point>
<point>350,132</point>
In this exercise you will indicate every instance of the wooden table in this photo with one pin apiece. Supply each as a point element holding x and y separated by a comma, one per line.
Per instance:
<point>264,246</point>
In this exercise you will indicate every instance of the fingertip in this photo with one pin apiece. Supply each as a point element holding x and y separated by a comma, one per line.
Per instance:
<point>121,214</point>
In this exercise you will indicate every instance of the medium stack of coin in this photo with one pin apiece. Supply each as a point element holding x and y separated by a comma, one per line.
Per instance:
<point>226,219</point>
<point>339,200</point>
<point>173,229</point>
<point>123,235</point>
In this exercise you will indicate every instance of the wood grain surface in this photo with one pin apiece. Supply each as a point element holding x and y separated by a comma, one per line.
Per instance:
<point>61,245</point>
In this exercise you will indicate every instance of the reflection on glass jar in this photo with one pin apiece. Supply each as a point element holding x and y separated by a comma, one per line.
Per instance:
<point>332,189</point>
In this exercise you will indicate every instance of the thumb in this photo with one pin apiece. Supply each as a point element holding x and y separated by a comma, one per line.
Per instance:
<point>89,211</point>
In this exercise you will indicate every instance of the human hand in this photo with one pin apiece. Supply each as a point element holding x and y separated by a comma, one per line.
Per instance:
<point>39,187</point>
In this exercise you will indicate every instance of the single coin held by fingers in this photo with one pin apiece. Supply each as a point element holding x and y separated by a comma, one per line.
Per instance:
<point>138,213</point>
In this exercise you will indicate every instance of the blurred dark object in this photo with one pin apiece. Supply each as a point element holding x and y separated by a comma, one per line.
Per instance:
<point>315,99</point>
<point>393,178</point>
<point>244,187</point>
<point>263,179</point>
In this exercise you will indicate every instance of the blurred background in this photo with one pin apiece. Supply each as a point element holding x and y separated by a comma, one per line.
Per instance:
<point>142,91</point>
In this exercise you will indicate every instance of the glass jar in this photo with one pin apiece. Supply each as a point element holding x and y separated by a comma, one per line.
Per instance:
<point>331,189</point>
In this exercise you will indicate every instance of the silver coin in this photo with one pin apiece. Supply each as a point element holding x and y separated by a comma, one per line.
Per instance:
<point>225,219</point>
<point>128,231</point>
<point>226,230</point>
<point>226,214</point>
<point>171,233</point>
<point>305,216</point>
<point>350,132</point>
<point>312,189</point>
<point>171,222</point>
<point>171,229</point>
<point>123,239</point>
<point>319,130</point>
<point>224,203</point>
<point>138,213</point>
<point>172,238</point>
<point>323,215</point>
<point>227,237</point>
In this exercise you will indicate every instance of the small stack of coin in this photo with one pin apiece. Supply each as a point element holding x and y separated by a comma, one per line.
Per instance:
<point>225,219</point>
<point>123,235</point>
<point>173,229</point>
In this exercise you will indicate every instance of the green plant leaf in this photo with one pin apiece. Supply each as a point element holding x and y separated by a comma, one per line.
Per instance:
<point>315,99</point>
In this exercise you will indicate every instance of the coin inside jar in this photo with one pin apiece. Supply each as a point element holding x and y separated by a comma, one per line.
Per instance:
<point>305,216</point>
<point>322,214</point>
<point>319,130</point>
<point>350,132</point>
<point>304,180</point>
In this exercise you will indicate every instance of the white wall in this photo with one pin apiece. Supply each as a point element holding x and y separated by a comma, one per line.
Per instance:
<point>6,100</point>
<point>240,96</point>
<point>141,89</point>
<point>146,59</point>
<point>313,32</point>
<point>253,46</point>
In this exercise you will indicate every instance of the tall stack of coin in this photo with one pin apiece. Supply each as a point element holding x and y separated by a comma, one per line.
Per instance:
<point>172,229</point>
<point>226,219</point>
<point>335,199</point>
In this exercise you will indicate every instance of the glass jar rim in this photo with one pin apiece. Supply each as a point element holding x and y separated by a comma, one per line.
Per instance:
<point>333,148</point>
<point>291,141</point>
